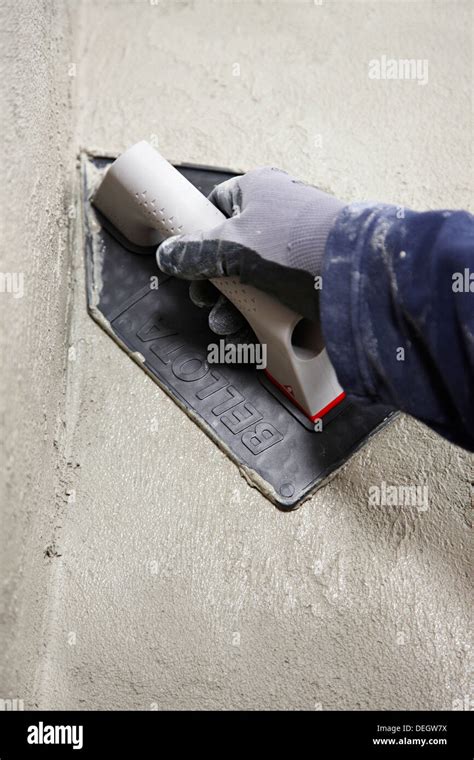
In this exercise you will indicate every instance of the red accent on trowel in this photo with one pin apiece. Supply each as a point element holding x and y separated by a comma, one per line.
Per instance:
<point>311,417</point>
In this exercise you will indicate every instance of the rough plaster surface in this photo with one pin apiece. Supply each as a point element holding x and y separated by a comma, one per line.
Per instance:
<point>169,581</point>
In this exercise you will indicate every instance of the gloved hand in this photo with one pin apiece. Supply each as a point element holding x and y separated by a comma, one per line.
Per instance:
<point>274,239</point>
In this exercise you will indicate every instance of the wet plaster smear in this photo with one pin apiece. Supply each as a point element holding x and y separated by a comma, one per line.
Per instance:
<point>139,569</point>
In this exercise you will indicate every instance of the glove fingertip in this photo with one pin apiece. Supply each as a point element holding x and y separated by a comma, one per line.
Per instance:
<point>203,293</point>
<point>168,253</point>
<point>225,318</point>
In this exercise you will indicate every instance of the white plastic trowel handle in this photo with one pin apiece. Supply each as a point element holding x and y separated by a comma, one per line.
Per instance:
<point>147,199</point>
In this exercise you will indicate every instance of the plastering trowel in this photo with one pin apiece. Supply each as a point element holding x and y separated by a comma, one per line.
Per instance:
<point>268,428</point>
<point>148,200</point>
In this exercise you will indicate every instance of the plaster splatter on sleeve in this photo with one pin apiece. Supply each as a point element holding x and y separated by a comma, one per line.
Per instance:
<point>397,309</point>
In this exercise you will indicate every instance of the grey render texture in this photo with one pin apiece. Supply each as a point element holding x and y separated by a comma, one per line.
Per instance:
<point>138,568</point>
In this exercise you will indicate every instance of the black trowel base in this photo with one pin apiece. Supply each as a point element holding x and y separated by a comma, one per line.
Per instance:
<point>151,316</point>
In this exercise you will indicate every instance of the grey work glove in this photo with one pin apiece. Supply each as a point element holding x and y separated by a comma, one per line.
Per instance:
<point>274,239</point>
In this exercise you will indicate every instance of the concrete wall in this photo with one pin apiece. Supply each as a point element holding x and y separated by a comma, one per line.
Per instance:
<point>139,570</point>
<point>37,167</point>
